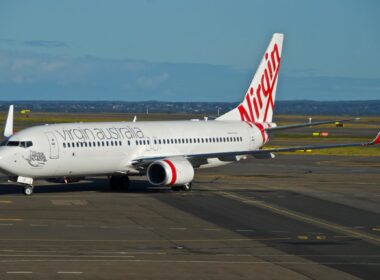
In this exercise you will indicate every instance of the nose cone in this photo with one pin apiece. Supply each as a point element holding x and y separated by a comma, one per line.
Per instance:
<point>5,158</point>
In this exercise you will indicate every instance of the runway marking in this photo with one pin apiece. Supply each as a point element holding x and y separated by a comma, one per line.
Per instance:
<point>6,201</point>
<point>245,230</point>
<point>358,227</point>
<point>10,220</point>
<point>19,272</point>
<point>86,252</point>
<point>149,240</point>
<point>320,237</point>
<point>69,272</point>
<point>64,256</point>
<point>305,218</point>
<point>109,227</point>
<point>211,229</point>
<point>76,226</point>
<point>6,225</point>
<point>302,237</point>
<point>178,228</point>
<point>196,261</point>
<point>69,202</point>
<point>149,228</point>
<point>38,225</point>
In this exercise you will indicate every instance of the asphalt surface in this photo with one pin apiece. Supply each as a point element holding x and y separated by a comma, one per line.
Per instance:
<point>293,217</point>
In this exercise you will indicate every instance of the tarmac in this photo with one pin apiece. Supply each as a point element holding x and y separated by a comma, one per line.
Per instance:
<point>292,217</point>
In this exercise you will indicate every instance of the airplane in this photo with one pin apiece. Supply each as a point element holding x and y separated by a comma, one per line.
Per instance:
<point>167,152</point>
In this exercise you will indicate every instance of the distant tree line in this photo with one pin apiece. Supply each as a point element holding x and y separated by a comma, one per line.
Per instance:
<point>301,107</point>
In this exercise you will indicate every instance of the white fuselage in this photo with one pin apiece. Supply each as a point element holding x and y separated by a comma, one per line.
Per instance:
<point>82,149</point>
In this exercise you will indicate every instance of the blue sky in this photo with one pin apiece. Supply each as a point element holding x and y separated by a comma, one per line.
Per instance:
<point>186,50</point>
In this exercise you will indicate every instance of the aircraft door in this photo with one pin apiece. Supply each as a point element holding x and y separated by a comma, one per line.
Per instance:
<point>53,143</point>
<point>154,143</point>
<point>148,144</point>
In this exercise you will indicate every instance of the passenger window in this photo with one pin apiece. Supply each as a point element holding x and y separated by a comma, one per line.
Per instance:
<point>64,145</point>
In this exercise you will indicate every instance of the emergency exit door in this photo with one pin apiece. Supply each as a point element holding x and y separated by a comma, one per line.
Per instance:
<point>53,143</point>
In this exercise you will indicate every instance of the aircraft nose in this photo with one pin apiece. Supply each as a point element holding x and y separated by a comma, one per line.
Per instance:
<point>4,155</point>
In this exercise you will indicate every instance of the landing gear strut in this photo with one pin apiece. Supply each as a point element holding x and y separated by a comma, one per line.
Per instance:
<point>28,190</point>
<point>119,183</point>
<point>186,187</point>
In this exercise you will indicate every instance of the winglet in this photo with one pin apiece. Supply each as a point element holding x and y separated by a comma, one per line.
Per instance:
<point>8,130</point>
<point>376,140</point>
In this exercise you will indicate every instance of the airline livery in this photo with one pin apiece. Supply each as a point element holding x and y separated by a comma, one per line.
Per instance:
<point>167,152</point>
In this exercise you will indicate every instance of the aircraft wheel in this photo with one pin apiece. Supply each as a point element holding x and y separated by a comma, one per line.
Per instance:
<point>124,183</point>
<point>187,187</point>
<point>114,183</point>
<point>28,190</point>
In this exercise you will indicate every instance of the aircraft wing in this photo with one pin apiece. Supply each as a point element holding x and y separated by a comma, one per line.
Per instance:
<point>264,153</point>
<point>291,126</point>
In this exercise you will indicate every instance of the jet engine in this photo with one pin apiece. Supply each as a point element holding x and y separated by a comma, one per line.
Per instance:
<point>177,171</point>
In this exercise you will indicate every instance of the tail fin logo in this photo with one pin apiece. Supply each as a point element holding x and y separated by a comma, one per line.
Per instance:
<point>251,108</point>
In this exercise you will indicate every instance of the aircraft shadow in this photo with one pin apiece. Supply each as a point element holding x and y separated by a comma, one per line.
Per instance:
<point>97,185</point>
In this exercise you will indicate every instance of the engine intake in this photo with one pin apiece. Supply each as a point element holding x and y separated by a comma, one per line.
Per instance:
<point>177,171</point>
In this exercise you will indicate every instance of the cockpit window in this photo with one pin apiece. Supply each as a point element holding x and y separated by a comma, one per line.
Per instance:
<point>23,144</point>
<point>13,143</point>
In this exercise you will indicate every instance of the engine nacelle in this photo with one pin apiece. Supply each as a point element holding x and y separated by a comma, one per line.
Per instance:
<point>178,171</point>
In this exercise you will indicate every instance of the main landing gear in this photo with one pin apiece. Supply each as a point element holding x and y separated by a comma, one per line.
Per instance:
<point>119,183</point>
<point>186,187</point>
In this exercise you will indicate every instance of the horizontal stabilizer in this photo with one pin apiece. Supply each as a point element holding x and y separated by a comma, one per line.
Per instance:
<point>291,126</point>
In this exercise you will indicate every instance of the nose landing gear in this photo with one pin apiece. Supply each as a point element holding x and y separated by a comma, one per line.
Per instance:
<point>27,184</point>
<point>28,190</point>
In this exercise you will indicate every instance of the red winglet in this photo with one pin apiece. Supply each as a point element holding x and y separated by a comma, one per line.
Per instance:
<point>376,140</point>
